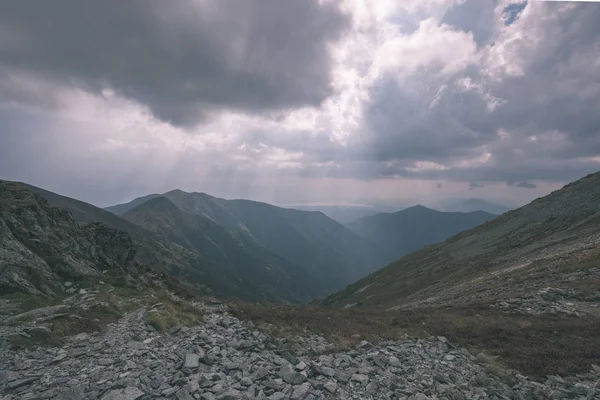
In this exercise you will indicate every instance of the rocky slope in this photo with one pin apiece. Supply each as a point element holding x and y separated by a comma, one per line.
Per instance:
<point>553,241</point>
<point>165,255</point>
<point>226,359</point>
<point>403,232</point>
<point>42,246</point>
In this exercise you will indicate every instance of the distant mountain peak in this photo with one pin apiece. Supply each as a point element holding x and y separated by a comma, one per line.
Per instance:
<point>420,208</point>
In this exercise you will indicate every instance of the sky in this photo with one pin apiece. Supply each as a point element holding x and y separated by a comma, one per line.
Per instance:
<point>300,101</point>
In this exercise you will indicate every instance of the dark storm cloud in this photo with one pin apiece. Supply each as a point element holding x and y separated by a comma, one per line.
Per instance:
<point>181,58</point>
<point>402,125</point>
<point>525,185</point>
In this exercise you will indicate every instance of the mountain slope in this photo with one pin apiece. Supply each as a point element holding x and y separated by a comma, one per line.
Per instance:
<point>325,249</point>
<point>469,205</point>
<point>121,209</point>
<point>341,214</point>
<point>228,248</point>
<point>164,255</point>
<point>554,240</point>
<point>42,246</point>
<point>408,230</point>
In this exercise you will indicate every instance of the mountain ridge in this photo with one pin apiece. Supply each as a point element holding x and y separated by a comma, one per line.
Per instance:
<point>523,250</point>
<point>401,232</point>
<point>225,247</point>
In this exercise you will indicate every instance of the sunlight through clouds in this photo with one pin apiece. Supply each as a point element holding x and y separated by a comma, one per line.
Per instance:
<point>353,93</point>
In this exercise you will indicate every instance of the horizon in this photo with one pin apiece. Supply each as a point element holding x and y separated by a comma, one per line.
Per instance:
<point>447,205</point>
<point>393,104</point>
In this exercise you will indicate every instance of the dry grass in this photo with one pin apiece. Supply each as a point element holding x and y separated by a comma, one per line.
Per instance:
<point>93,320</point>
<point>174,313</point>
<point>534,345</point>
<point>110,307</point>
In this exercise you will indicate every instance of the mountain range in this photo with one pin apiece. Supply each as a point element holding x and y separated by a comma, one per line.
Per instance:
<point>553,241</point>
<point>473,204</point>
<point>246,249</point>
<point>345,214</point>
<point>403,232</point>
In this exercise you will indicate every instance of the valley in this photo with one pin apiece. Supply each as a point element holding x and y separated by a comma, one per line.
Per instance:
<point>188,296</point>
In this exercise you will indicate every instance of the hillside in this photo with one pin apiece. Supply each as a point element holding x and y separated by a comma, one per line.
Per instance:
<point>164,255</point>
<point>341,214</point>
<point>121,209</point>
<point>323,249</point>
<point>244,249</point>
<point>403,232</point>
<point>228,248</point>
<point>470,205</point>
<point>41,246</point>
<point>553,241</point>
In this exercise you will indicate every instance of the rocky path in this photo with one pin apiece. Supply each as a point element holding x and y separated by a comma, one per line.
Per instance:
<point>226,359</point>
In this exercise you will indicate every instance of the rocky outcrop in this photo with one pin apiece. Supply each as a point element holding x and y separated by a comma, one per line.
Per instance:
<point>227,359</point>
<point>42,246</point>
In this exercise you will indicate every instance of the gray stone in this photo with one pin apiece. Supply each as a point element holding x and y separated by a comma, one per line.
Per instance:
<point>300,391</point>
<point>230,394</point>
<point>128,393</point>
<point>293,378</point>
<point>70,394</point>
<point>39,331</point>
<point>37,313</point>
<point>105,361</point>
<point>372,388</point>
<point>191,361</point>
<point>260,374</point>
<point>7,376</point>
<point>289,357</point>
<point>330,386</point>
<point>174,330</point>
<point>20,382</point>
<point>360,378</point>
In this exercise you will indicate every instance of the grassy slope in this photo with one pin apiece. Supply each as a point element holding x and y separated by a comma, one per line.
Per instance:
<point>559,228</point>
<point>536,345</point>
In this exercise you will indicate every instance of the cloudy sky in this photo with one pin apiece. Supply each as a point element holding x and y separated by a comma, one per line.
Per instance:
<point>300,101</point>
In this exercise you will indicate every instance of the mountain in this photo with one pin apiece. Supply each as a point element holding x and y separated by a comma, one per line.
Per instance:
<point>319,247</point>
<point>121,209</point>
<point>229,248</point>
<point>470,205</point>
<point>553,241</point>
<point>163,255</point>
<point>341,214</point>
<point>405,231</point>
<point>236,248</point>
<point>42,246</point>
<point>329,252</point>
